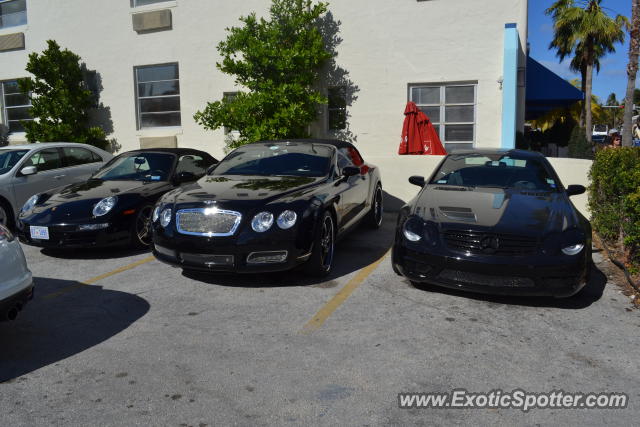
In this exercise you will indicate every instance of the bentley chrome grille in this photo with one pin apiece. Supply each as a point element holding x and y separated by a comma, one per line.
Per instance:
<point>208,222</point>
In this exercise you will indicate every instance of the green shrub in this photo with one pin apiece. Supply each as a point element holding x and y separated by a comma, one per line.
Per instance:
<point>614,198</point>
<point>579,147</point>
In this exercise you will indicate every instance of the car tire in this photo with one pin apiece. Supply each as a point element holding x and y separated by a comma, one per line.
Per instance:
<point>141,228</point>
<point>321,260</point>
<point>374,216</point>
<point>6,215</point>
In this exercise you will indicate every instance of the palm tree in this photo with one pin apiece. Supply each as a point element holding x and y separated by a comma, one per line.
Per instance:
<point>632,71</point>
<point>582,27</point>
<point>579,65</point>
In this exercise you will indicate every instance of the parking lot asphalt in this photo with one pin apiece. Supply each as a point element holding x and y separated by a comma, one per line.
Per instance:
<point>117,338</point>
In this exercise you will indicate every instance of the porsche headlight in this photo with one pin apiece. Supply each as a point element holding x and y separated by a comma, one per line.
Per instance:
<point>156,214</point>
<point>287,219</point>
<point>30,204</point>
<point>104,206</point>
<point>262,222</point>
<point>573,249</point>
<point>165,217</point>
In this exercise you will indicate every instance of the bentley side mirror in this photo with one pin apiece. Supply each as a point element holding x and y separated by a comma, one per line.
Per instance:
<point>417,180</point>
<point>349,171</point>
<point>28,170</point>
<point>574,190</point>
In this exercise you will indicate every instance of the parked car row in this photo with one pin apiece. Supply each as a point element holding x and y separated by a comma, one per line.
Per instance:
<point>496,221</point>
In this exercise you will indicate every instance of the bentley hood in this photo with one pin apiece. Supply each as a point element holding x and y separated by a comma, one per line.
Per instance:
<point>237,190</point>
<point>502,210</point>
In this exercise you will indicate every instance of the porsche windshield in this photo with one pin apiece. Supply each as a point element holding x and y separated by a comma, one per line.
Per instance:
<point>502,171</point>
<point>137,167</point>
<point>9,158</point>
<point>277,159</point>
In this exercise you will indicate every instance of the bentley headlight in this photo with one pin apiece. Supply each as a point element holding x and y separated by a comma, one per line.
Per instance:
<point>30,204</point>
<point>165,217</point>
<point>156,214</point>
<point>287,219</point>
<point>104,206</point>
<point>413,229</point>
<point>573,249</point>
<point>262,222</point>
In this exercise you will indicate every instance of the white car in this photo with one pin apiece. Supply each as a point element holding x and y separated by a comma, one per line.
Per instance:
<point>16,281</point>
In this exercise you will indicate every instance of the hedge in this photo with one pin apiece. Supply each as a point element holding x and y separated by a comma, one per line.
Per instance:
<point>614,199</point>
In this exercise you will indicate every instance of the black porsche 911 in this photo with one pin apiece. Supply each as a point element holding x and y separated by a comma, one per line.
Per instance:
<point>114,205</point>
<point>494,222</point>
<point>269,206</point>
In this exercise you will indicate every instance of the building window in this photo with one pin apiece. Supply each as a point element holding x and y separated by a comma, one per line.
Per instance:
<point>16,106</point>
<point>158,95</point>
<point>229,96</point>
<point>337,108</point>
<point>452,110</point>
<point>12,13</point>
<point>137,3</point>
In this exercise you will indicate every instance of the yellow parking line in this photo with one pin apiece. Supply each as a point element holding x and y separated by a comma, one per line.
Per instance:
<point>323,314</point>
<point>98,278</point>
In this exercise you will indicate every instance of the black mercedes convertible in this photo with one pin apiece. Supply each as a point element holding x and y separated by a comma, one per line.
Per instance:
<point>494,222</point>
<point>114,206</point>
<point>269,206</point>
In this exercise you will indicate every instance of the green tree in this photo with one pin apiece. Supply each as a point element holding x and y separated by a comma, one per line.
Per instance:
<point>60,99</point>
<point>278,61</point>
<point>584,29</point>
<point>632,71</point>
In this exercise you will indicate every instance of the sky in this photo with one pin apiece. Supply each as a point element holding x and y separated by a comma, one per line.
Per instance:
<point>613,75</point>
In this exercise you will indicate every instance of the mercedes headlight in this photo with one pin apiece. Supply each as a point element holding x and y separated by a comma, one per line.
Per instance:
<point>573,249</point>
<point>165,217</point>
<point>287,219</point>
<point>104,206</point>
<point>30,204</point>
<point>413,229</point>
<point>262,222</point>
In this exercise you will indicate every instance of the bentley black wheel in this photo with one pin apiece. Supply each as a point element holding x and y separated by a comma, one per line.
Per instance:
<point>322,256</point>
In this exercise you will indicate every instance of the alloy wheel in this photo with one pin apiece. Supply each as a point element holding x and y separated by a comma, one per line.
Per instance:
<point>143,225</point>
<point>378,207</point>
<point>4,218</point>
<point>327,243</point>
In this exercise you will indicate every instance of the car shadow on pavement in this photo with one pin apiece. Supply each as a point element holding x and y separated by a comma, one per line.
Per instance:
<point>591,293</point>
<point>94,253</point>
<point>64,319</point>
<point>360,248</point>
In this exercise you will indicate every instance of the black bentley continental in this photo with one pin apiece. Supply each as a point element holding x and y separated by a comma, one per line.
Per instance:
<point>269,206</point>
<point>494,221</point>
<point>114,206</point>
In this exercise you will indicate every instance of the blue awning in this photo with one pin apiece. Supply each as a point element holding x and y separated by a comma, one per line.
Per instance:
<point>547,91</point>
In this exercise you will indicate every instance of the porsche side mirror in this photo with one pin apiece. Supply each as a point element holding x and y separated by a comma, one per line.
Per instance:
<point>417,180</point>
<point>350,171</point>
<point>574,190</point>
<point>28,170</point>
<point>186,177</point>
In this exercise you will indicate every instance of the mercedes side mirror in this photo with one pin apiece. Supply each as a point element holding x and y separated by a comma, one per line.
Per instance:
<point>574,190</point>
<point>28,170</point>
<point>350,171</point>
<point>417,180</point>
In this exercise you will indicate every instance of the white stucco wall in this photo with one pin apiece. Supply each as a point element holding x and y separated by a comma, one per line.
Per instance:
<point>387,44</point>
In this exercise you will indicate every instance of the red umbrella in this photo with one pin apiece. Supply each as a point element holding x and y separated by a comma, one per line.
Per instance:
<point>418,134</point>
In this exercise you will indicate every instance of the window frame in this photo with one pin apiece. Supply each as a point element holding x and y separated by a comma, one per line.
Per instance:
<point>134,3</point>
<point>26,19</point>
<point>65,158</point>
<point>136,85</point>
<point>5,113</point>
<point>443,123</point>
